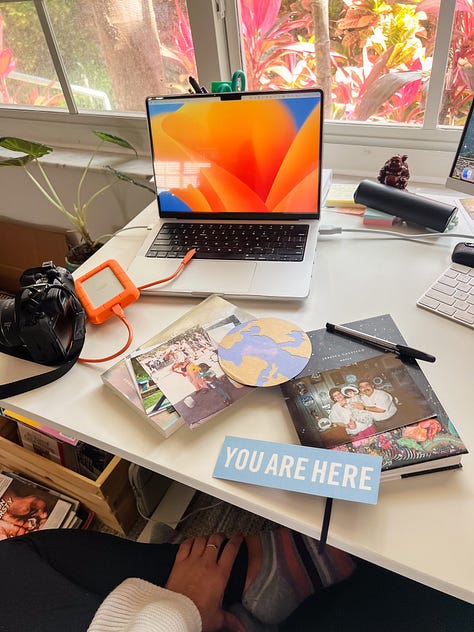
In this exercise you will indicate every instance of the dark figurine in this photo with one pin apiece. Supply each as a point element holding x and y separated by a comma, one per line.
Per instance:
<point>395,172</point>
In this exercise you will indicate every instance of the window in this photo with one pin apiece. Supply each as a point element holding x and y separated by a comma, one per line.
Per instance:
<point>109,56</point>
<point>395,74</point>
<point>373,59</point>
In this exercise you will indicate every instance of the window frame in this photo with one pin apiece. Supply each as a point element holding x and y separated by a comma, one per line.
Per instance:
<point>217,52</point>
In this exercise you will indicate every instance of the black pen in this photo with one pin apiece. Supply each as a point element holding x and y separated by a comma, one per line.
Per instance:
<point>385,345</point>
<point>194,85</point>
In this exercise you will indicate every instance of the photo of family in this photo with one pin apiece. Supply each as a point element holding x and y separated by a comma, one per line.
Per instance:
<point>354,402</point>
<point>187,371</point>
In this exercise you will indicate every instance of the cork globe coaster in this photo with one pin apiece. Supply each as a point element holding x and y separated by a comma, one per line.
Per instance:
<point>264,352</point>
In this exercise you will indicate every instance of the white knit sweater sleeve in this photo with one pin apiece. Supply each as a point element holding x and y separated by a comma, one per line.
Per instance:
<point>139,606</point>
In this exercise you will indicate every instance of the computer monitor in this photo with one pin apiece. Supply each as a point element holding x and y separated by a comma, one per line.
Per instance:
<point>461,176</point>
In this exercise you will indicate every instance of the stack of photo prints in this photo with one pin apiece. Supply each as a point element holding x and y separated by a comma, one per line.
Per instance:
<point>349,396</point>
<point>175,378</point>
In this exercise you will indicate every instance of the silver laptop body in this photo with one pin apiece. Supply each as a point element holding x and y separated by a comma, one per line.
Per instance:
<point>242,159</point>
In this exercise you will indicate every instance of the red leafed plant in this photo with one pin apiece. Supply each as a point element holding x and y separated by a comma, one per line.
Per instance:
<point>271,42</point>
<point>32,96</point>
<point>183,49</point>
<point>459,84</point>
<point>7,64</point>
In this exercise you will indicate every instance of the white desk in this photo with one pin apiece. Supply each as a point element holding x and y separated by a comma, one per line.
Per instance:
<point>422,527</point>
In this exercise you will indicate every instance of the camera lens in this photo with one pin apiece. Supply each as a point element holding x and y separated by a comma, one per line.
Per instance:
<point>9,336</point>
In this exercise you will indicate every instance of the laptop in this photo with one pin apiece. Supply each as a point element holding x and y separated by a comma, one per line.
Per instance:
<point>238,177</point>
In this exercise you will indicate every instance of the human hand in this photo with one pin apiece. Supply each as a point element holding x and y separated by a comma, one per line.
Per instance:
<point>202,575</point>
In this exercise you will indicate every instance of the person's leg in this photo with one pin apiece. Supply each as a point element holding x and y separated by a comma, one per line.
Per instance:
<point>362,603</point>
<point>274,571</point>
<point>38,598</point>
<point>59,577</point>
<point>98,561</point>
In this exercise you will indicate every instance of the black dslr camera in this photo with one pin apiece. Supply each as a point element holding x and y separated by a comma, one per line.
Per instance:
<point>45,322</point>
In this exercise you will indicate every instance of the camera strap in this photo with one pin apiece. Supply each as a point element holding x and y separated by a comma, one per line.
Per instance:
<point>35,381</point>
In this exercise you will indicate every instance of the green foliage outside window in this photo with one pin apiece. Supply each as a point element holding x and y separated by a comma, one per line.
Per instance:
<point>372,57</point>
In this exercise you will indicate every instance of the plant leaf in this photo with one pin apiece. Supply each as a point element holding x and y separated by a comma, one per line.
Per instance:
<point>125,178</point>
<point>35,150</point>
<point>16,162</point>
<point>116,140</point>
<point>382,89</point>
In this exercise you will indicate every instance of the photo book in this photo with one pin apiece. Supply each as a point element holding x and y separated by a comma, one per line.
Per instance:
<point>352,398</point>
<point>181,361</point>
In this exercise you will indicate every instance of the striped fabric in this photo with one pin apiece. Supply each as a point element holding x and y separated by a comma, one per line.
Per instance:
<point>292,569</point>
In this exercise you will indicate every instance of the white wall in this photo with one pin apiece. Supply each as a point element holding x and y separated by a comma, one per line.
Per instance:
<point>21,200</point>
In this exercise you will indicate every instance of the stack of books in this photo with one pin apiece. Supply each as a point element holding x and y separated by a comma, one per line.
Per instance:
<point>331,404</point>
<point>26,506</point>
<point>55,446</point>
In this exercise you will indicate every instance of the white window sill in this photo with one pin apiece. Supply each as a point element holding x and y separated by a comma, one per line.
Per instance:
<point>356,160</point>
<point>78,159</point>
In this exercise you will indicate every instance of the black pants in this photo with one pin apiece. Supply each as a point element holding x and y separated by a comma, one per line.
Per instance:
<point>55,580</point>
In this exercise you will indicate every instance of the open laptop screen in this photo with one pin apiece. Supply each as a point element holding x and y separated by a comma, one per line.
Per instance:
<point>237,155</point>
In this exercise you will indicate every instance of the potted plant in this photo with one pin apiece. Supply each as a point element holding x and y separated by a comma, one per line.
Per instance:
<point>84,245</point>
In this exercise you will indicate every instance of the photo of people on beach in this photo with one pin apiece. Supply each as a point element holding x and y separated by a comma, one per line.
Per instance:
<point>354,402</point>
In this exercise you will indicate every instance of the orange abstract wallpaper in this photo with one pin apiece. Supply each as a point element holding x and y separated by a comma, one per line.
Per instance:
<point>237,156</point>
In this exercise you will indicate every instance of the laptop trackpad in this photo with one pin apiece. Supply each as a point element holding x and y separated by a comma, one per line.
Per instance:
<point>217,277</point>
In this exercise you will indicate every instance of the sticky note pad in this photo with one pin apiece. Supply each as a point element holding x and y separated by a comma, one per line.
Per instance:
<point>372,217</point>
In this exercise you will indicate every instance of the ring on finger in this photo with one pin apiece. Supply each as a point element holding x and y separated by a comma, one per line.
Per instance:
<point>212,545</point>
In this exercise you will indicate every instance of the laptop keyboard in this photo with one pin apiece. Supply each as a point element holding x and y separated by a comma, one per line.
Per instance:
<point>452,295</point>
<point>256,242</point>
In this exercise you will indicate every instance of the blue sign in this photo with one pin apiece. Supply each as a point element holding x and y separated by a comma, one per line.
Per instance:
<point>302,469</point>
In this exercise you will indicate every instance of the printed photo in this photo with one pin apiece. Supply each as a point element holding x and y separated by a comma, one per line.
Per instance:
<point>354,402</point>
<point>151,396</point>
<point>188,372</point>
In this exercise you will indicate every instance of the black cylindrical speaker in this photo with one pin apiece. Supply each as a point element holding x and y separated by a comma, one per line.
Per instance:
<point>408,206</point>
